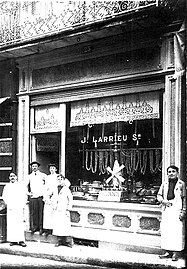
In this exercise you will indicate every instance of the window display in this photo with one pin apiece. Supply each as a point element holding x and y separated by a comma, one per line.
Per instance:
<point>115,160</point>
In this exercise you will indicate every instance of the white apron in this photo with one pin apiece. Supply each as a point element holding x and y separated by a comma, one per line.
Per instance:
<point>61,217</point>
<point>173,233</point>
<point>48,216</point>
<point>15,225</point>
<point>14,195</point>
<point>50,189</point>
<point>172,228</point>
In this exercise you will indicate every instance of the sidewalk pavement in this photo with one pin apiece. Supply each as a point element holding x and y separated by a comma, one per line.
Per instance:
<point>91,256</point>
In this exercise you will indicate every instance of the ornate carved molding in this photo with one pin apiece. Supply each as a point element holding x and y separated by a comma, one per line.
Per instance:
<point>149,223</point>
<point>121,221</point>
<point>96,219</point>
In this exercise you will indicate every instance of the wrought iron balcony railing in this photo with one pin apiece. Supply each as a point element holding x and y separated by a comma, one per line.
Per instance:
<point>27,20</point>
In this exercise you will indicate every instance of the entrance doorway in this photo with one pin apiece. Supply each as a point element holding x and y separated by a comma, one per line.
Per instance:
<point>45,149</point>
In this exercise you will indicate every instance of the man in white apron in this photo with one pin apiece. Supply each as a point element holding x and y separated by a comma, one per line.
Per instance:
<point>15,197</point>
<point>172,196</point>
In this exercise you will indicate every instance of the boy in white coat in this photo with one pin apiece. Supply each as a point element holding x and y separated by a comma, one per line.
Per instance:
<point>61,216</point>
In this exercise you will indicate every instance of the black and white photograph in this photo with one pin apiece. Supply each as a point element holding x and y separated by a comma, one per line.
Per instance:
<point>93,116</point>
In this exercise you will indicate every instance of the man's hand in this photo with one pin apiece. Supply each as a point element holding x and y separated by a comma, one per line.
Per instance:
<point>166,203</point>
<point>182,216</point>
<point>30,194</point>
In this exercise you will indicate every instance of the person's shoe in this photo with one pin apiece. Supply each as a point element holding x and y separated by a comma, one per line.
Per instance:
<point>175,257</point>
<point>69,245</point>
<point>46,234</point>
<point>69,242</point>
<point>22,244</point>
<point>58,245</point>
<point>33,231</point>
<point>13,243</point>
<point>40,232</point>
<point>165,256</point>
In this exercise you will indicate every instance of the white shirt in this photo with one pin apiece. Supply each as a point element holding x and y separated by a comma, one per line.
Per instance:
<point>37,182</point>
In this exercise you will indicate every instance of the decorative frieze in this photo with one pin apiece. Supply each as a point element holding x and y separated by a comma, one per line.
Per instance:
<point>121,221</point>
<point>46,118</point>
<point>96,219</point>
<point>129,224</point>
<point>75,217</point>
<point>118,108</point>
<point>149,223</point>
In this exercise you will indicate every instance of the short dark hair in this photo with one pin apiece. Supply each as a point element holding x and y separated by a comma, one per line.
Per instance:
<point>12,172</point>
<point>173,167</point>
<point>60,175</point>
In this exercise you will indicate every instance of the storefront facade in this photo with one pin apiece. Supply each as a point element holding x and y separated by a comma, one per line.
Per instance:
<point>108,112</point>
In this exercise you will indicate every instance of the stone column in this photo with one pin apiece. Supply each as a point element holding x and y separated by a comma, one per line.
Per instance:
<point>173,124</point>
<point>23,137</point>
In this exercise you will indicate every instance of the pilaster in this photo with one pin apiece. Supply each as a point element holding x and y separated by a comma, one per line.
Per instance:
<point>172,129</point>
<point>23,137</point>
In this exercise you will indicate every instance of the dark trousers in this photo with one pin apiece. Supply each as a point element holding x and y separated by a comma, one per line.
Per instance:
<point>36,206</point>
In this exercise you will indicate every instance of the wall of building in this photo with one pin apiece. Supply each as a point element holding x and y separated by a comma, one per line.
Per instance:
<point>9,81</point>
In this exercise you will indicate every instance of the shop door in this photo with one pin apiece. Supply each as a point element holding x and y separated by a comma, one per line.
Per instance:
<point>46,150</point>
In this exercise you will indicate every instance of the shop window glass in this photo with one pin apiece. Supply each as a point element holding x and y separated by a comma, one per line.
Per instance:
<point>5,131</point>
<point>46,147</point>
<point>5,143</point>
<point>5,121</point>
<point>4,176</point>
<point>5,113</point>
<point>133,149</point>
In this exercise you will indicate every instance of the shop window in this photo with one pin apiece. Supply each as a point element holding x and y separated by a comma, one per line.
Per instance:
<point>116,157</point>
<point>5,130</point>
<point>6,137</point>
<point>5,114</point>
<point>5,121</point>
<point>4,176</point>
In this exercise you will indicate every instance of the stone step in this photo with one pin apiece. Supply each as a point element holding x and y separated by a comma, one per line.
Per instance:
<point>52,239</point>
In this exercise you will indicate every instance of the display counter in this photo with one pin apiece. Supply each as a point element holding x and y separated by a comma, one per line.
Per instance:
<point>99,192</point>
<point>121,226</point>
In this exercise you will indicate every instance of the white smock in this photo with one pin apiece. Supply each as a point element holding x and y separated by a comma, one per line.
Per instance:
<point>15,197</point>
<point>61,217</point>
<point>50,190</point>
<point>172,228</point>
